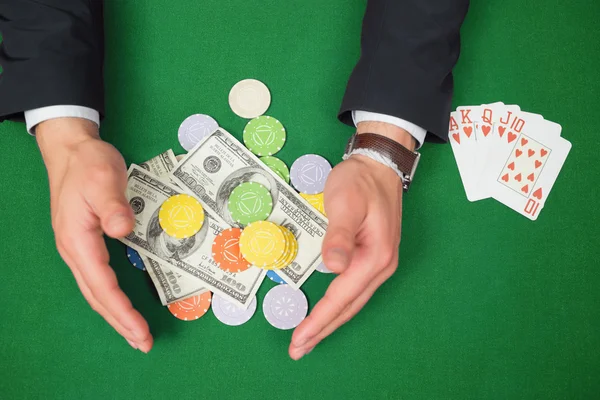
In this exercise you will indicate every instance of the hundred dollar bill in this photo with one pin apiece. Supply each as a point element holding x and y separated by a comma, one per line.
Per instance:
<point>220,163</point>
<point>171,285</point>
<point>146,193</point>
<point>162,164</point>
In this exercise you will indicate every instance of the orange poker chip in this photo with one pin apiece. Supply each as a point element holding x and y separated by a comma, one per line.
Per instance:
<point>226,251</point>
<point>192,308</point>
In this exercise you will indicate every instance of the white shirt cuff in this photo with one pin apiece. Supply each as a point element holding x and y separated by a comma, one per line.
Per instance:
<point>39,115</point>
<point>415,131</point>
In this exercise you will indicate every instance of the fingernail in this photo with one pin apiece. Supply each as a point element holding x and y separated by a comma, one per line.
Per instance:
<point>337,257</point>
<point>132,344</point>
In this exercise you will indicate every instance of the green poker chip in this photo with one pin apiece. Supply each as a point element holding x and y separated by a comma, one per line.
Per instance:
<point>264,136</point>
<point>250,202</point>
<point>277,166</point>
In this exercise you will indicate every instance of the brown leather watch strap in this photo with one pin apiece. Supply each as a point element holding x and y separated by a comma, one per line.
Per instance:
<point>405,160</point>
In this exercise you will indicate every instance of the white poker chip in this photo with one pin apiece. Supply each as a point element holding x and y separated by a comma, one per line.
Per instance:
<point>249,98</point>
<point>284,307</point>
<point>194,129</point>
<point>229,313</point>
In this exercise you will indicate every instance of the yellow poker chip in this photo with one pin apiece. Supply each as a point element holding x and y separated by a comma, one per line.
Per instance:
<point>262,243</point>
<point>315,200</point>
<point>181,216</point>
<point>291,250</point>
<point>280,263</point>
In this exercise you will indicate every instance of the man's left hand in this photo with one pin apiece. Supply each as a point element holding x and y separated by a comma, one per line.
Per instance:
<point>363,201</point>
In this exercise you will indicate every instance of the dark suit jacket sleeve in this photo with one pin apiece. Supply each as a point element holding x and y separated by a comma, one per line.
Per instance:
<point>52,54</point>
<point>409,48</point>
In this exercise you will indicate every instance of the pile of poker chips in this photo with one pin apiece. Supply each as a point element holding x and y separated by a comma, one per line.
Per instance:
<point>261,243</point>
<point>268,246</point>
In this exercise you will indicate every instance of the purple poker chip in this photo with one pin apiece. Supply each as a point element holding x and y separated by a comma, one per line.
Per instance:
<point>195,128</point>
<point>309,173</point>
<point>323,269</point>
<point>284,307</point>
<point>229,313</point>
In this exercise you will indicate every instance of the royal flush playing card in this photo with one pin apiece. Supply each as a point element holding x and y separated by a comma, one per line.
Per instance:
<point>508,154</point>
<point>463,142</point>
<point>484,117</point>
<point>522,176</point>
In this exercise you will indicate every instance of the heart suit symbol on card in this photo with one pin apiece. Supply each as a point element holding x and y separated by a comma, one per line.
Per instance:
<point>531,177</point>
<point>524,141</point>
<point>511,137</point>
<point>486,129</point>
<point>518,153</point>
<point>530,152</point>
<point>511,166</point>
<point>505,178</point>
<point>518,178</point>
<point>543,152</point>
<point>501,130</point>
<point>468,130</point>
<point>456,137</point>
<point>525,189</point>
<point>538,163</point>
<point>538,194</point>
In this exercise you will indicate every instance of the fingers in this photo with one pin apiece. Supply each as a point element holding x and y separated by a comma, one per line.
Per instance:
<point>346,212</point>
<point>342,291</point>
<point>297,351</point>
<point>105,194</point>
<point>96,306</point>
<point>374,253</point>
<point>88,187</point>
<point>374,259</point>
<point>89,257</point>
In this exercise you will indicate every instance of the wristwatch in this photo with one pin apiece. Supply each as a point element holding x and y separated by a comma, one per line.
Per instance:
<point>404,160</point>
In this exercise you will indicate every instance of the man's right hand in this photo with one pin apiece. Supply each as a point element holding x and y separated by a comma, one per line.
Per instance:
<point>88,179</point>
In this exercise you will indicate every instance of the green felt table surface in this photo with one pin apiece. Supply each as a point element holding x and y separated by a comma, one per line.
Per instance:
<point>485,304</point>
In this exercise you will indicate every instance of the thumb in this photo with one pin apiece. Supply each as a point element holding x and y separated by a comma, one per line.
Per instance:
<point>106,197</point>
<point>346,212</point>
